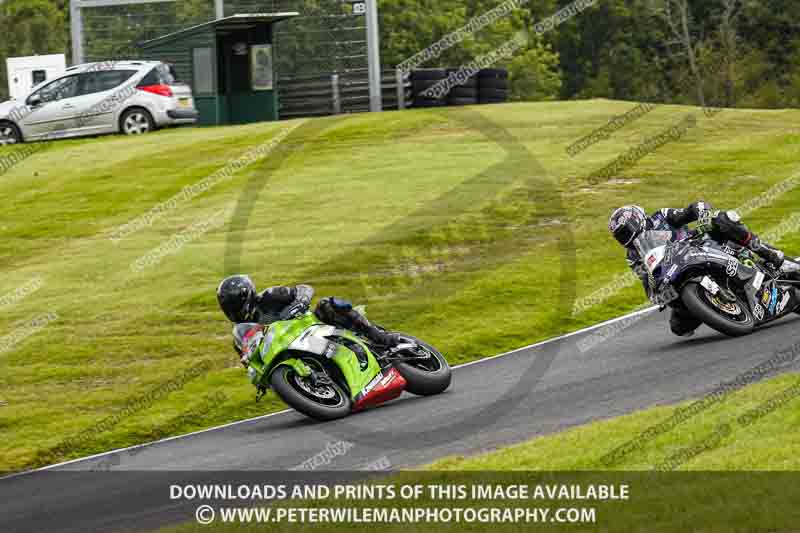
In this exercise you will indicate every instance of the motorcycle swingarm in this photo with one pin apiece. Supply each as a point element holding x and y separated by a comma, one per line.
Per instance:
<point>401,358</point>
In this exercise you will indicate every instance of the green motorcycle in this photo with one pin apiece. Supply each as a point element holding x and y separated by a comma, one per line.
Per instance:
<point>326,372</point>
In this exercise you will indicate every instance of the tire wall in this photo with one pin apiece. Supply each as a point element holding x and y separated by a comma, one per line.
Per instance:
<point>488,86</point>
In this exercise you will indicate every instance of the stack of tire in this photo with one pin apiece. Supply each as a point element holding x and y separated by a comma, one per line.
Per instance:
<point>422,80</point>
<point>492,86</point>
<point>465,93</point>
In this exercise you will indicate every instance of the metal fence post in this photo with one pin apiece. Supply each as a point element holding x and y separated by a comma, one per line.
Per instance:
<point>401,88</point>
<point>76,31</point>
<point>374,56</point>
<point>337,100</point>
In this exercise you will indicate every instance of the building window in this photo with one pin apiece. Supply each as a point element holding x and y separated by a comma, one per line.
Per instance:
<point>37,77</point>
<point>203,70</point>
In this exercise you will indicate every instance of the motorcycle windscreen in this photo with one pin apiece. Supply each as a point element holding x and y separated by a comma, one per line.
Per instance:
<point>652,246</point>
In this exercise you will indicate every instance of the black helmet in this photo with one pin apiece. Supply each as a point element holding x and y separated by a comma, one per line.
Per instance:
<point>237,298</point>
<point>626,223</point>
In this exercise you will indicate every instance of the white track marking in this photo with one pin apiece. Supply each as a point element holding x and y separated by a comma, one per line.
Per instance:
<point>263,417</point>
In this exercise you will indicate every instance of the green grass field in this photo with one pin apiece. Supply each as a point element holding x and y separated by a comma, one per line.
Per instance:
<point>439,222</point>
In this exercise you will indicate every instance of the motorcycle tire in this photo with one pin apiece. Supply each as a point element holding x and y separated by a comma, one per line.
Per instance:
<point>493,83</point>
<point>694,297</point>
<point>428,74</point>
<point>422,380</point>
<point>287,385</point>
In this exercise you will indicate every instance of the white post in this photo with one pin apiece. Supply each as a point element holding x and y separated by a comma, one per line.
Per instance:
<point>219,8</point>
<point>400,79</point>
<point>374,56</point>
<point>337,100</point>
<point>76,31</point>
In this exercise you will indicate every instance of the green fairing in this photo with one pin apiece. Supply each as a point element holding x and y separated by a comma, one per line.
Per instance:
<point>284,333</point>
<point>297,365</point>
<point>348,363</point>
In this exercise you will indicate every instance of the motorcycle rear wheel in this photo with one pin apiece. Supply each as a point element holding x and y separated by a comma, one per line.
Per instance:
<point>323,402</point>
<point>425,377</point>
<point>700,304</point>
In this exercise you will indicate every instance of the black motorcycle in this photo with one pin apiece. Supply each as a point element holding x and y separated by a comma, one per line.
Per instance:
<point>725,286</point>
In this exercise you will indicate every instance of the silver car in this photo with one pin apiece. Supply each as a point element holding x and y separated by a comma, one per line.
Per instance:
<point>131,97</point>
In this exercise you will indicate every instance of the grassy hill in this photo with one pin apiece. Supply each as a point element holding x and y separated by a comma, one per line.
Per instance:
<point>471,228</point>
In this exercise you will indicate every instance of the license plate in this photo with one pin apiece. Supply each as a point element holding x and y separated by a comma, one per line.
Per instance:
<point>185,102</point>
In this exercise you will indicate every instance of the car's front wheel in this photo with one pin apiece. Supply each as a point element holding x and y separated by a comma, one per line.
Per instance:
<point>136,122</point>
<point>9,133</point>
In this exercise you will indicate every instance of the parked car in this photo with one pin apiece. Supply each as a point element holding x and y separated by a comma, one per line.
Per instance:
<point>131,97</point>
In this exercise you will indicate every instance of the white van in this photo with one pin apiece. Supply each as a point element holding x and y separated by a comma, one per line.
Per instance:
<point>24,73</point>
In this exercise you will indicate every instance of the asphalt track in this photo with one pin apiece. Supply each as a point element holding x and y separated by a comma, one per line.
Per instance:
<point>640,364</point>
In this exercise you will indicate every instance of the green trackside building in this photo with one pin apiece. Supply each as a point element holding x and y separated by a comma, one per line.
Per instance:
<point>229,64</point>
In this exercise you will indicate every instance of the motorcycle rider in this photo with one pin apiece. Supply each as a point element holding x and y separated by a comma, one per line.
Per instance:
<point>627,222</point>
<point>240,302</point>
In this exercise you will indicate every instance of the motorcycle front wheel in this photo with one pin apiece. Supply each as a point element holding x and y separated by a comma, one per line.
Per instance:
<point>731,318</point>
<point>321,401</point>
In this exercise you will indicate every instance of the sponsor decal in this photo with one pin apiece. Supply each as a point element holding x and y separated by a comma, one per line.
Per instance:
<point>784,301</point>
<point>765,297</point>
<point>758,312</point>
<point>704,221</point>
<point>773,301</point>
<point>388,379</point>
<point>650,260</point>
<point>709,285</point>
<point>732,268</point>
<point>371,385</point>
<point>759,279</point>
<point>728,250</point>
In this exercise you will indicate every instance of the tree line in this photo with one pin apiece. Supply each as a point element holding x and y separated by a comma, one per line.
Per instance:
<point>734,53</point>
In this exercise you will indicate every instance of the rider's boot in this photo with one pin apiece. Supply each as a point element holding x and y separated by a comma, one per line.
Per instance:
<point>363,326</point>
<point>682,323</point>
<point>341,313</point>
<point>767,252</point>
<point>729,225</point>
<point>776,257</point>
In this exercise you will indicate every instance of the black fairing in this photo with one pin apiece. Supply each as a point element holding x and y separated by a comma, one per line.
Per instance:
<point>691,260</point>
